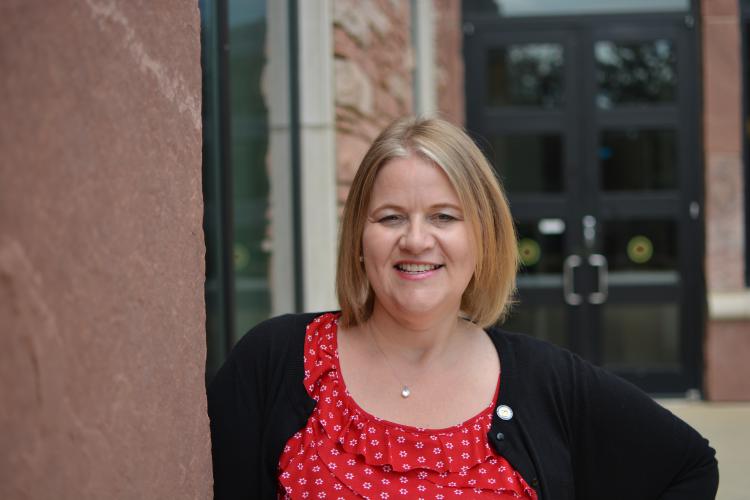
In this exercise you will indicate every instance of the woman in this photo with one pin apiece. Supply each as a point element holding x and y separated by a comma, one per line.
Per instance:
<point>408,391</point>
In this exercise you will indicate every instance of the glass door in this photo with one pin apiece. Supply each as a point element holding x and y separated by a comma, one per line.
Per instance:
<point>588,123</point>
<point>645,205</point>
<point>527,116</point>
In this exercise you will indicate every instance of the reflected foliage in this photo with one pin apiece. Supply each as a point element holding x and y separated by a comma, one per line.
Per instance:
<point>249,153</point>
<point>526,75</point>
<point>635,73</point>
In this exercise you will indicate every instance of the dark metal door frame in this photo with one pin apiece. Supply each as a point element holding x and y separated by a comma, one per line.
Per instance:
<point>580,123</point>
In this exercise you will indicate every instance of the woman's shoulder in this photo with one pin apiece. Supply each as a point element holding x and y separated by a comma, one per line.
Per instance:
<point>274,336</point>
<point>525,350</point>
<point>283,325</point>
<point>533,362</point>
<point>539,363</point>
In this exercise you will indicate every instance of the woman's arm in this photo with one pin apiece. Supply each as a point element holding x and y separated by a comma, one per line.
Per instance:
<point>628,446</point>
<point>256,402</point>
<point>235,434</point>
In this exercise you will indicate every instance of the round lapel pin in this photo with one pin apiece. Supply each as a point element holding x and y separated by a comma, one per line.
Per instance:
<point>504,412</point>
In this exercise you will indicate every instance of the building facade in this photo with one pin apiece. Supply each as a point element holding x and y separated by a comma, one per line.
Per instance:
<point>136,133</point>
<point>616,127</point>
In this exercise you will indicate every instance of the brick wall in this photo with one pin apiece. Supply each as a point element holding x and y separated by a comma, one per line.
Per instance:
<point>728,337</point>
<point>450,66</point>
<point>373,67</point>
<point>373,73</point>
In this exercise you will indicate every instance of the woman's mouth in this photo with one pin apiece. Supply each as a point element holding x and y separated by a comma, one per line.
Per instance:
<point>417,268</point>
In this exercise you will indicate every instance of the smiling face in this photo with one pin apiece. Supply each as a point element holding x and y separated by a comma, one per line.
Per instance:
<point>418,248</point>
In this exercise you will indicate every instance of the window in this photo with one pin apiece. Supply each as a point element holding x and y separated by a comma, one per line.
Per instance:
<point>520,8</point>
<point>247,194</point>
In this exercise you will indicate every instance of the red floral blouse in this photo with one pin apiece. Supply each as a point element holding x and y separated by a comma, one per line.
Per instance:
<point>344,452</point>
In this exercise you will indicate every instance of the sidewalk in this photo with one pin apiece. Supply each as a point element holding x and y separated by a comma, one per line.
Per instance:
<point>727,427</point>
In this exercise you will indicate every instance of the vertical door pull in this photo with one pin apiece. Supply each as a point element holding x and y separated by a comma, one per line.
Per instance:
<point>599,262</point>
<point>571,297</point>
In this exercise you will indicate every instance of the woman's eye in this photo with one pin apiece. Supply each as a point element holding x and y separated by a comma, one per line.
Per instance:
<point>444,217</point>
<point>389,219</point>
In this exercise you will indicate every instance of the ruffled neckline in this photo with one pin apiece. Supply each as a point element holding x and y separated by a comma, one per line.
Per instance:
<point>378,441</point>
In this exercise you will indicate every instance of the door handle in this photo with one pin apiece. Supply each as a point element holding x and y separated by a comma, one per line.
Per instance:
<point>599,262</point>
<point>569,266</point>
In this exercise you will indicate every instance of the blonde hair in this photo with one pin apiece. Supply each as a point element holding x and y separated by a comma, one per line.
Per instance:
<point>489,293</point>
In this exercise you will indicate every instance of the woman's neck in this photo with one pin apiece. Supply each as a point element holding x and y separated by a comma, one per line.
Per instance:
<point>417,342</point>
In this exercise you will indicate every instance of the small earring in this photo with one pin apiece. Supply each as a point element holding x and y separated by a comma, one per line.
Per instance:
<point>361,258</point>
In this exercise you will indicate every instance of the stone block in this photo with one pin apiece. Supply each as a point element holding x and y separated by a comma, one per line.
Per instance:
<point>350,151</point>
<point>722,80</point>
<point>724,222</point>
<point>103,344</point>
<point>360,19</point>
<point>353,87</point>
<point>727,369</point>
<point>719,7</point>
<point>450,69</point>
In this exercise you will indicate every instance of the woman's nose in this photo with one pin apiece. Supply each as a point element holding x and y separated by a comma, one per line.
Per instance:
<point>417,238</point>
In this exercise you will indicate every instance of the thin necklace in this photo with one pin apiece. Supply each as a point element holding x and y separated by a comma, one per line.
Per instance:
<point>405,391</point>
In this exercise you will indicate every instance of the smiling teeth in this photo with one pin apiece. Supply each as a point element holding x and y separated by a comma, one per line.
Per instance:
<point>416,268</point>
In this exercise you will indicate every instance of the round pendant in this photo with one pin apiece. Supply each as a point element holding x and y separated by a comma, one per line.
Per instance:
<point>405,392</point>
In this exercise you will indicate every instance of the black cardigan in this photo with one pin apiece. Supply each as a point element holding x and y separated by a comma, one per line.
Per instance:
<point>577,431</point>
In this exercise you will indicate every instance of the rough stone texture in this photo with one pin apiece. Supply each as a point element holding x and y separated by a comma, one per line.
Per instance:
<point>722,79</point>
<point>373,74</point>
<point>102,342</point>
<point>450,65</point>
<point>353,88</point>
<point>723,147</point>
<point>727,354</point>
<point>724,221</point>
<point>719,7</point>
<point>727,345</point>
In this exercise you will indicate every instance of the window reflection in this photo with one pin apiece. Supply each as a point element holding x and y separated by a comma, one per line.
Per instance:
<point>638,159</point>
<point>545,322</point>
<point>249,152</point>
<point>518,8</point>
<point>529,163</point>
<point>642,336</point>
<point>635,73</point>
<point>526,75</point>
